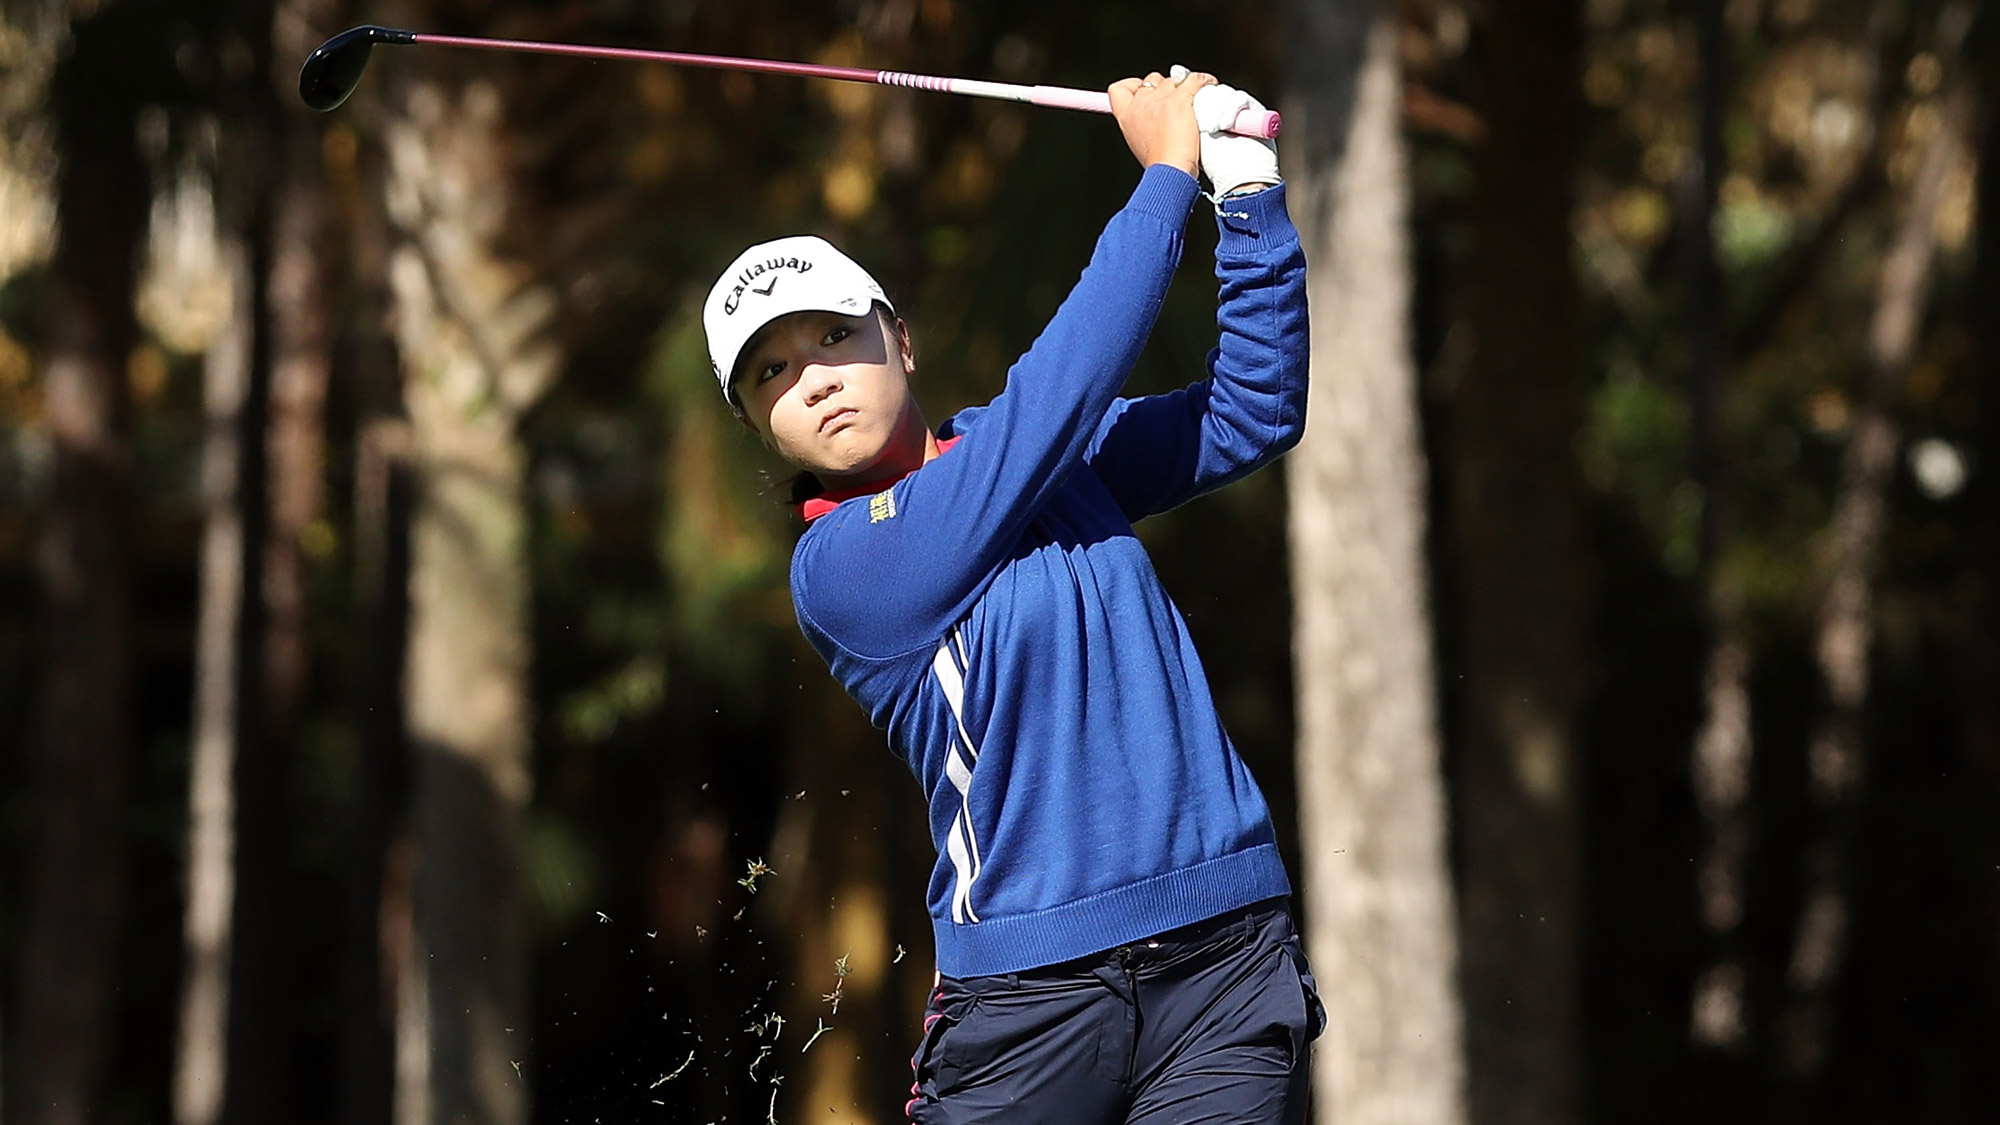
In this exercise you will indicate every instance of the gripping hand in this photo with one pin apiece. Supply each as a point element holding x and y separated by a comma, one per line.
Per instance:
<point>1230,161</point>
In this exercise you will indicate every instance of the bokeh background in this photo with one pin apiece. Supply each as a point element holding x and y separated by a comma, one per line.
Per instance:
<point>401,712</point>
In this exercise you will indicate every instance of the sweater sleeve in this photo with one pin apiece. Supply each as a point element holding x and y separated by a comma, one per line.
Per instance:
<point>883,577</point>
<point>1159,452</point>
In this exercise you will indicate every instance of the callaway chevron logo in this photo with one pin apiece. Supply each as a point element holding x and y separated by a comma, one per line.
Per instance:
<point>752,272</point>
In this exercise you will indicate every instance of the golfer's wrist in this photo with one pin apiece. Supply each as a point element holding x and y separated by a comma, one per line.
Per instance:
<point>1251,188</point>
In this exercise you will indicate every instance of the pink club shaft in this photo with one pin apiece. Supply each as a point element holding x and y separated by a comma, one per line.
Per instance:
<point>1251,123</point>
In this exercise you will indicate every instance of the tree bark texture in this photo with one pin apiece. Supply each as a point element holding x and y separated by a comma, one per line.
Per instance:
<point>1522,579</point>
<point>78,747</point>
<point>1844,629</point>
<point>469,326</point>
<point>1379,918</point>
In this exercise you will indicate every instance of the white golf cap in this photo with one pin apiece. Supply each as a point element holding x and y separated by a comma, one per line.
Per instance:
<point>803,273</point>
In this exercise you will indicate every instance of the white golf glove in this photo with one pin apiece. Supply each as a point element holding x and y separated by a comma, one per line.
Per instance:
<point>1230,161</point>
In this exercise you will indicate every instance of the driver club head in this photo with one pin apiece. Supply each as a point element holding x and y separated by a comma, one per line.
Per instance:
<point>334,68</point>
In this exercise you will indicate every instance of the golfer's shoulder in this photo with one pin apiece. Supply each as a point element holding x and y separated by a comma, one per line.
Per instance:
<point>853,606</point>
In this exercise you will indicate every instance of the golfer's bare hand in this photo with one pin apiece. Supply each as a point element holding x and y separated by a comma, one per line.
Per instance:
<point>1156,114</point>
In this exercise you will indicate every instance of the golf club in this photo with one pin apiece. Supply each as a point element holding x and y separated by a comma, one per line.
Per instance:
<point>331,72</point>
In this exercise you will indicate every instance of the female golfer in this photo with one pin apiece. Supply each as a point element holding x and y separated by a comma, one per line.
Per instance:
<point>1113,943</point>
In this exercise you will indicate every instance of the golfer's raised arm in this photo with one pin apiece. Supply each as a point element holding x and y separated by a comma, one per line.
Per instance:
<point>1159,452</point>
<point>962,514</point>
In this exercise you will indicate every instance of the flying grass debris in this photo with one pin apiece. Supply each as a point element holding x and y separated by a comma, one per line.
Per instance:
<point>824,1027</point>
<point>840,971</point>
<point>685,1063</point>
<point>757,870</point>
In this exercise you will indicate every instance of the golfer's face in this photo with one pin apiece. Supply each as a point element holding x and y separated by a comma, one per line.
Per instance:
<point>830,392</point>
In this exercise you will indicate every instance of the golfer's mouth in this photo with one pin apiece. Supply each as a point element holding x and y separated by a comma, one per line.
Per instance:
<point>838,420</point>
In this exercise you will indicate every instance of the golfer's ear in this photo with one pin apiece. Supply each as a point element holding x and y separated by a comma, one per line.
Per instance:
<point>909,350</point>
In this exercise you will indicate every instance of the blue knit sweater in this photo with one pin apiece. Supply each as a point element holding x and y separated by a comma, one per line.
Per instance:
<point>994,612</point>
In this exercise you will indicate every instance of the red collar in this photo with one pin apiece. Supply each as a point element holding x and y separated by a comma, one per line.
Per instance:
<point>827,501</point>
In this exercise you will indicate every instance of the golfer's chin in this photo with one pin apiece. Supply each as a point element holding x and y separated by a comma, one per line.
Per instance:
<point>856,456</point>
<point>842,458</point>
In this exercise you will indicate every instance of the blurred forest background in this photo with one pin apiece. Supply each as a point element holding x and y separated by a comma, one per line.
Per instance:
<point>401,712</point>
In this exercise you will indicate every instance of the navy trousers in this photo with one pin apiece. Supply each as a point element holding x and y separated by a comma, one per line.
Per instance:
<point>1204,1024</point>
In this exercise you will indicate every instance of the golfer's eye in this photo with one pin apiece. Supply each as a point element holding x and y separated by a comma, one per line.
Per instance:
<point>770,371</point>
<point>837,335</point>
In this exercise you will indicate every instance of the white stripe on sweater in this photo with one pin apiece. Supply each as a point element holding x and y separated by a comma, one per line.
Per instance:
<point>961,844</point>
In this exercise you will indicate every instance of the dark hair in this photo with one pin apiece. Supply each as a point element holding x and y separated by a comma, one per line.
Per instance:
<point>801,486</point>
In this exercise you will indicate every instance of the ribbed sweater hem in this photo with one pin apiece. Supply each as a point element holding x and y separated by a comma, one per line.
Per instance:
<point>1018,942</point>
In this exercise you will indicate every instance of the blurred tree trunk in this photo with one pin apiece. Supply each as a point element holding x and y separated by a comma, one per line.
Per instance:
<point>1721,758</point>
<point>1379,916</point>
<point>376,900</point>
<point>300,360</point>
<point>470,327</point>
<point>75,757</point>
<point>224,655</point>
<point>35,32</point>
<point>285,428</point>
<point>34,35</point>
<point>1982,683</point>
<point>266,382</point>
<point>1522,578</point>
<point>376,938</point>
<point>1844,630</point>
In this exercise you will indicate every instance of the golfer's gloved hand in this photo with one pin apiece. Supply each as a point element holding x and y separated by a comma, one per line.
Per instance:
<point>1230,161</point>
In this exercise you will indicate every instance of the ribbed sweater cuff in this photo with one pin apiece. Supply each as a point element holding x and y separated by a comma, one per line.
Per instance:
<point>1167,192</point>
<point>1250,225</point>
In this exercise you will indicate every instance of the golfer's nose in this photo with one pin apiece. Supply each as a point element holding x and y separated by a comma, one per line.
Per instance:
<point>820,380</point>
